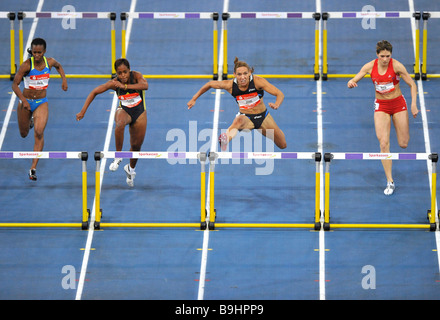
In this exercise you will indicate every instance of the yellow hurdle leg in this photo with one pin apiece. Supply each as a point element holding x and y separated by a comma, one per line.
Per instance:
<point>324,50</point>
<point>12,34</point>
<point>316,70</point>
<point>97,196</point>
<point>211,197</point>
<point>317,197</point>
<point>203,197</point>
<point>327,198</point>
<point>20,38</point>
<point>417,54</point>
<point>215,47</point>
<point>113,41</point>
<point>433,197</point>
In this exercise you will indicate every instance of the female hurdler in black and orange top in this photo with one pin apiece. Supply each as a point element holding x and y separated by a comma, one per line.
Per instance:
<point>129,86</point>
<point>389,104</point>
<point>248,90</point>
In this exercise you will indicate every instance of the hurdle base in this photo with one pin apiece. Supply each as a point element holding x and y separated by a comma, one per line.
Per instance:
<point>39,225</point>
<point>147,225</point>
<point>263,225</point>
<point>378,226</point>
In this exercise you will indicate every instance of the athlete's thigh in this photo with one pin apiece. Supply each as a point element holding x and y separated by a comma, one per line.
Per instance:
<point>270,128</point>
<point>122,118</point>
<point>137,130</point>
<point>41,115</point>
<point>401,124</point>
<point>382,124</point>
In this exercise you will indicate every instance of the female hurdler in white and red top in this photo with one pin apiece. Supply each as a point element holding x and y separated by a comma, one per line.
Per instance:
<point>389,103</point>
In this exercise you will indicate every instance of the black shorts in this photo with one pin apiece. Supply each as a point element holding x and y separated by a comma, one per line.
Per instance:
<point>257,119</point>
<point>134,112</point>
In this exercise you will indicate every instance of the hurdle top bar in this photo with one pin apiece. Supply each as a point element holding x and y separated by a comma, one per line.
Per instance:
<point>149,155</point>
<point>170,15</point>
<point>266,155</point>
<point>379,156</point>
<point>67,15</point>
<point>433,14</point>
<point>370,14</point>
<point>219,155</point>
<point>41,155</point>
<point>5,15</point>
<point>271,15</point>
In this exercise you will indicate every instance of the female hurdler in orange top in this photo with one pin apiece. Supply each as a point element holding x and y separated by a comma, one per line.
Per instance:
<point>248,90</point>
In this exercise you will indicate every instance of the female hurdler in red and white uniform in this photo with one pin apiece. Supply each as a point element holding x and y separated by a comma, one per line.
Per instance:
<point>389,104</point>
<point>248,90</point>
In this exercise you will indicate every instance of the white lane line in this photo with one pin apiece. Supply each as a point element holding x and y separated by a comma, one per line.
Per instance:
<point>102,169</point>
<point>214,135</point>
<point>320,149</point>
<point>13,96</point>
<point>425,127</point>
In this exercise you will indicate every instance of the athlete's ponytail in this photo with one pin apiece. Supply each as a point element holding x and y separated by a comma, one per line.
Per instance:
<point>238,64</point>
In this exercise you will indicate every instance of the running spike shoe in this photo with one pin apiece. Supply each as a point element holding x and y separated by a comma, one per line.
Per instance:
<point>223,141</point>
<point>389,190</point>
<point>115,164</point>
<point>130,175</point>
<point>33,174</point>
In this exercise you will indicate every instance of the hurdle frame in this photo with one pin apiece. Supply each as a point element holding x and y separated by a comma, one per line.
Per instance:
<point>77,15</point>
<point>433,157</point>
<point>273,15</point>
<point>316,156</point>
<point>426,16</point>
<point>180,16</point>
<point>84,225</point>
<point>13,67</point>
<point>201,156</point>
<point>326,16</point>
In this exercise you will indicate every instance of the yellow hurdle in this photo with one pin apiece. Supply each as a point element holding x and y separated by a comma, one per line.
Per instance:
<point>425,17</point>
<point>212,212</point>
<point>417,17</point>
<point>20,37</point>
<point>202,158</point>
<point>225,17</point>
<point>318,191</point>
<point>431,213</point>
<point>98,211</point>
<point>317,211</point>
<point>40,225</point>
<point>123,34</point>
<point>432,226</point>
<point>113,42</point>
<point>215,17</point>
<point>317,17</point>
<point>53,155</point>
<point>11,16</point>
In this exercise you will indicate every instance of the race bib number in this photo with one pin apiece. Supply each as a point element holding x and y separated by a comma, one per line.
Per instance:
<point>384,87</point>
<point>38,82</point>
<point>248,101</point>
<point>130,100</point>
